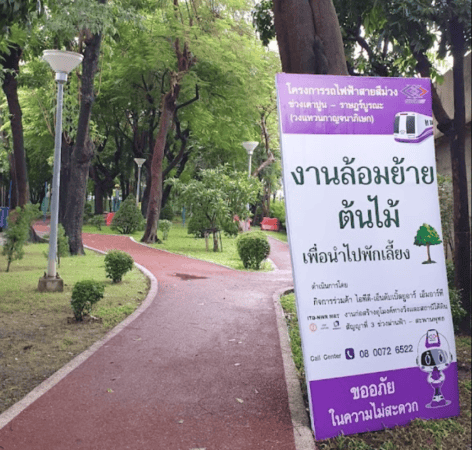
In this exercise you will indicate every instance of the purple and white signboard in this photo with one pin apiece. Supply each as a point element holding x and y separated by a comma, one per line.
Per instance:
<point>366,245</point>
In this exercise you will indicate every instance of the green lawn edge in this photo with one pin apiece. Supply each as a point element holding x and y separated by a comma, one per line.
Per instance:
<point>38,332</point>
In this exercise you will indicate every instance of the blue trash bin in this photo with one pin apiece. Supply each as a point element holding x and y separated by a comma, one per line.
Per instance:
<point>3,216</point>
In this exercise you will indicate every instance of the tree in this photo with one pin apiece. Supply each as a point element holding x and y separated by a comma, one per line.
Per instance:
<point>427,235</point>
<point>82,152</point>
<point>219,195</point>
<point>309,37</point>
<point>15,16</point>
<point>398,38</point>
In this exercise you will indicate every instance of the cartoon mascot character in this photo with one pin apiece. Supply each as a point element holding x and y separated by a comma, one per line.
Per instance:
<point>434,356</point>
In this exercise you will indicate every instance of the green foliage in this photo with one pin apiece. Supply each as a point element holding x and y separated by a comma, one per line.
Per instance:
<point>446,206</point>
<point>97,221</point>
<point>231,227</point>
<point>62,243</point>
<point>84,295</point>
<point>88,212</point>
<point>253,248</point>
<point>277,210</point>
<point>263,20</point>
<point>62,248</point>
<point>117,264</point>
<point>164,227</point>
<point>216,197</point>
<point>128,218</point>
<point>167,213</point>
<point>427,235</point>
<point>17,232</point>
<point>197,224</point>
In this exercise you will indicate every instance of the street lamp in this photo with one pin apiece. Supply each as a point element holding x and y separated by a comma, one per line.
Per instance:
<point>250,146</point>
<point>139,162</point>
<point>62,63</point>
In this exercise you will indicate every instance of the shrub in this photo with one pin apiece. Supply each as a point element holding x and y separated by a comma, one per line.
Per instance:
<point>97,221</point>
<point>277,210</point>
<point>84,295</point>
<point>128,218</point>
<point>17,232</point>
<point>164,227</point>
<point>253,248</point>
<point>117,263</point>
<point>197,224</point>
<point>167,213</point>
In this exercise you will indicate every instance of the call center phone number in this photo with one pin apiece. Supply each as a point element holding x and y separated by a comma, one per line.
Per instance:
<point>386,351</point>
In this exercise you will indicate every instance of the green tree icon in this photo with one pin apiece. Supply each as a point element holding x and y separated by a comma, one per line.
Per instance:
<point>427,235</point>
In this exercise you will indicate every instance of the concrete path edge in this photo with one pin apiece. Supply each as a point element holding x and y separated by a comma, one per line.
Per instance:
<point>38,391</point>
<point>304,439</point>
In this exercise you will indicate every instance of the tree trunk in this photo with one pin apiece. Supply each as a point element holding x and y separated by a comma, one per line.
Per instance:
<point>11,61</point>
<point>462,257</point>
<point>14,185</point>
<point>83,149</point>
<point>155,193</point>
<point>455,130</point>
<point>309,37</point>
<point>66,152</point>
<point>185,60</point>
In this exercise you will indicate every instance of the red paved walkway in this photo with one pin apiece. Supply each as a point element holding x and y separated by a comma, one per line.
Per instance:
<point>208,339</point>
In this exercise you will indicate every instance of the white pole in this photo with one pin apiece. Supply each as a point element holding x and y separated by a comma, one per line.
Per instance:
<point>61,78</point>
<point>139,182</point>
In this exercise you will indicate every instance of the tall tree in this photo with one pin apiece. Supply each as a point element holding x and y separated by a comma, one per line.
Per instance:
<point>83,149</point>
<point>15,16</point>
<point>185,61</point>
<point>309,37</point>
<point>397,37</point>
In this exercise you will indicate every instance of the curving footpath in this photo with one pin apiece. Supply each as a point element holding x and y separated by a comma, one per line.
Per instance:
<point>203,364</point>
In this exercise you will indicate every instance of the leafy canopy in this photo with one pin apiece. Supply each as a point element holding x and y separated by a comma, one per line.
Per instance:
<point>427,235</point>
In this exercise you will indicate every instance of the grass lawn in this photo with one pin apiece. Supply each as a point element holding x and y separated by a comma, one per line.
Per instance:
<point>38,333</point>
<point>446,434</point>
<point>185,244</point>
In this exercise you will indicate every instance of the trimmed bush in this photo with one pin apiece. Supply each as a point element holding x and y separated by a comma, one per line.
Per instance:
<point>97,221</point>
<point>84,295</point>
<point>117,263</point>
<point>164,227</point>
<point>128,218</point>
<point>253,248</point>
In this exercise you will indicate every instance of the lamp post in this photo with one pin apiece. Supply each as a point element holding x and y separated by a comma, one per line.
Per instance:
<point>250,146</point>
<point>62,63</point>
<point>139,162</point>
